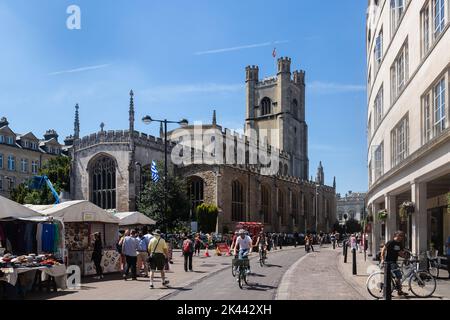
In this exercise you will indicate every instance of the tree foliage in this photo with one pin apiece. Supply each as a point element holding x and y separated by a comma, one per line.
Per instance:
<point>57,170</point>
<point>206,215</point>
<point>151,201</point>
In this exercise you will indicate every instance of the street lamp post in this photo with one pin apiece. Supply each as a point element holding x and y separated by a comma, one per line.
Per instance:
<point>317,209</point>
<point>147,120</point>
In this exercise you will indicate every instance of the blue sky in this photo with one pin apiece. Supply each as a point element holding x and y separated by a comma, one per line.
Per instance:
<point>170,53</point>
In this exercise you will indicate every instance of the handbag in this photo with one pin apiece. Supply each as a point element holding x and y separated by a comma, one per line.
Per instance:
<point>150,257</point>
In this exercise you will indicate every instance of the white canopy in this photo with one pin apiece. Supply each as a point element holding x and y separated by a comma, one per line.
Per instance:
<point>76,211</point>
<point>133,219</point>
<point>11,209</point>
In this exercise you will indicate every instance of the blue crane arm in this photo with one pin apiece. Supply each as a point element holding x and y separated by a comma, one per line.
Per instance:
<point>52,189</point>
<point>38,182</point>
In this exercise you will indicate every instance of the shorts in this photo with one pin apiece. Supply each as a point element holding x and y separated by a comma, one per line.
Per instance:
<point>157,262</point>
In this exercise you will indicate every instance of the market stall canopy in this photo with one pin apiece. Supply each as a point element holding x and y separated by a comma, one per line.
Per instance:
<point>133,219</point>
<point>11,209</point>
<point>76,211</point>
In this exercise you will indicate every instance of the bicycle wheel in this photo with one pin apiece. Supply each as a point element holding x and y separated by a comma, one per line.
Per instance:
<point>375,285</point>
<point>261,258</point>
<point>422,284</point>
<point>245,276</point>
<point>240,277</point>
<point>233,270</point>
<point>433,269</point>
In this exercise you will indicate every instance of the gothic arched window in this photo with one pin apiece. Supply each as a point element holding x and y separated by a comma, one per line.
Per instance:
<point>103,186</point>
<point>196,186</point>
<point>281,205</point>
<point>265,203</point>
<point>295,206</point>
<point>237,201</point>
<point>286,169</point>
<point>266,106</point>
<point>294,108</point>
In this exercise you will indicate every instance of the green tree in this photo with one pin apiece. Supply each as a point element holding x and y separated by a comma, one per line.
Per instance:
<point>151,202</point>
<point>353,226</point>
<point>207,217</point>
<point>58,171</point>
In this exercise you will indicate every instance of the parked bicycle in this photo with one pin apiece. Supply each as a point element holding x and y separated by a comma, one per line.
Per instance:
<point>420,282</point>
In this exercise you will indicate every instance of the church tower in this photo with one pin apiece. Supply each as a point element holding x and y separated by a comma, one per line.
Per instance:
<point>276,105</point>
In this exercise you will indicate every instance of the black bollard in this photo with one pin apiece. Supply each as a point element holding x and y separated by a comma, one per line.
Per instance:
<point>354,262</point>
<point>387,287</point>
<point>345,252</point>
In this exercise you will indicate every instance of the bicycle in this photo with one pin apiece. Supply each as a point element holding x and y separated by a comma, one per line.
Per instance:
<point>242,269</point>
<point>420,282</point>
<point>262,257</point>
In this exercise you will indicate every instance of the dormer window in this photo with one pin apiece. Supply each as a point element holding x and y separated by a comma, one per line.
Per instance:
<point>10,140</point>
<point>2,139</point>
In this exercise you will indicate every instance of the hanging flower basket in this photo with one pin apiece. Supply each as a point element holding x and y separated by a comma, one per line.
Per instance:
<point>406,208</point>
<point>382,215</point>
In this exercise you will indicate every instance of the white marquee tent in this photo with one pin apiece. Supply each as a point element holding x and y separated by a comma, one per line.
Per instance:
<point>11,209</point>
<point>134,219</point>
<point>76,211</point>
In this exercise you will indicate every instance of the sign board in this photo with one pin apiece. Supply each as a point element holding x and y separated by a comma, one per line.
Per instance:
<point>88,216</point>
<point>194,226</point>
<point>222,248</point>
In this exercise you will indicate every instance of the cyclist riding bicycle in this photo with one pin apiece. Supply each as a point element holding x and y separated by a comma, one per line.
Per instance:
<point>262,243</point>
<point>390,253</point>
<point>245,245</point>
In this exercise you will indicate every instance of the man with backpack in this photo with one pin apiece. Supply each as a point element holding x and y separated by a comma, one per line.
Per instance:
<point>188,252</point>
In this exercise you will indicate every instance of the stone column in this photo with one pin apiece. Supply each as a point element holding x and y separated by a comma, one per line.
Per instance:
<point>391,223</point>
<point>419,218</point>
<point>376,228</point>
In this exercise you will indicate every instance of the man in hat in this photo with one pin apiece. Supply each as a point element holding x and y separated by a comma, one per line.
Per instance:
<point>159,252</point>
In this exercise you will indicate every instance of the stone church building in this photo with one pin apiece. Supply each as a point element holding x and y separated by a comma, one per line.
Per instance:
<point>108,166</point>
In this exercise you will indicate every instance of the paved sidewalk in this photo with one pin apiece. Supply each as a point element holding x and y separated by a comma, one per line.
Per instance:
<point>364,268</point>
<point>113,287</point>
<point>316,277</point>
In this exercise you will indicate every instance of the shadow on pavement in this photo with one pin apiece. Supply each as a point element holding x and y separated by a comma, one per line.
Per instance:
<point>273,265</point>
<point>259,287</point>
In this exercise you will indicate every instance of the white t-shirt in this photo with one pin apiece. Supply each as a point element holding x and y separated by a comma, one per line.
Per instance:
<point>245,243</point>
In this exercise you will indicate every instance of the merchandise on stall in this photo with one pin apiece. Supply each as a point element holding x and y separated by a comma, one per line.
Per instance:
<point>81,220</point>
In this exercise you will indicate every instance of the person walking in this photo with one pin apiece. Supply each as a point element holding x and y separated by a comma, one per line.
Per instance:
<point>119,248</point>
<point>280,241</point>
<point>159,252</point>
<point>390,253</point>
<point>97,255</point>
<point>198,244</point>
<point>295,239</point>
<point>188,252</point>
<point>129,249</point>
<point>142,253</point>
<point>333,239</point>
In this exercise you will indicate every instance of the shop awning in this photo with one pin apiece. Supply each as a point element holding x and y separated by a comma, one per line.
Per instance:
<point>11,209</point>
<point>133,219</point>
<point>76,211</point>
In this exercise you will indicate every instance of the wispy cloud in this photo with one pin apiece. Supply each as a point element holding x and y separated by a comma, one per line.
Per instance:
<point>79,69</point>
<point>243,47</point>
<point>194,88</point>
<point>330,87</point>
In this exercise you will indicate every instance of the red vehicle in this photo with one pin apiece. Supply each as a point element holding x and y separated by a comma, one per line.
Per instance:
<point>253,228</point>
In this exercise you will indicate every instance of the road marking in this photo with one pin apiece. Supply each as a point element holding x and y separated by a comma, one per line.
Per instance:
<point>283,288</point>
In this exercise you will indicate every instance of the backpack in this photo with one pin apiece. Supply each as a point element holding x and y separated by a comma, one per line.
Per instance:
<point>187,246</point>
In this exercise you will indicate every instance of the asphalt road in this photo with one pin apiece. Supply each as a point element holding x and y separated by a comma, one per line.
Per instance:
<point>263,281</point>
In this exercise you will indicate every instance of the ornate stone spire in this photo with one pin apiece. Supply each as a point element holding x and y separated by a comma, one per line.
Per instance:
<point>214,119</point>
<point>76,128</point>
<point>334,183</point>
<point>131,112</point>
<point>161,130</point>
<point>102,127</point>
